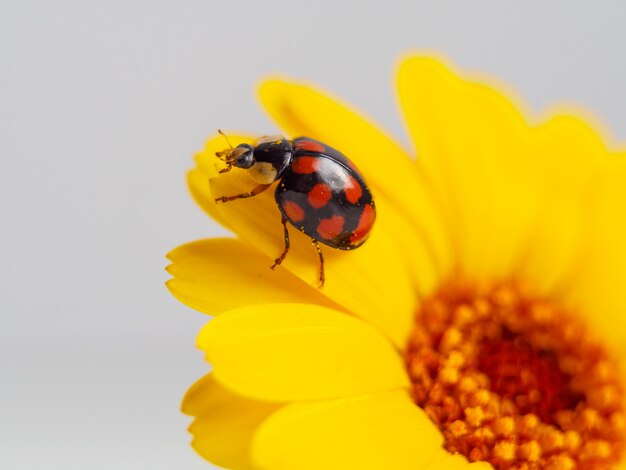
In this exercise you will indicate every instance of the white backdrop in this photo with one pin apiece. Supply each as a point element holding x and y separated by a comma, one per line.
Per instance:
<point>102,105</point>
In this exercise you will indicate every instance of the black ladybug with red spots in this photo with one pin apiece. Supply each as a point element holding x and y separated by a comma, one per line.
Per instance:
<point>320,191</point>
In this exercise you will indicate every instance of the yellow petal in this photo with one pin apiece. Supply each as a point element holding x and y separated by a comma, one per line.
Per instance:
<point>566,154</point>
<point>302,111</point>
<point>224,424</point>
<point>281,352</point>
<point>353,278</point>
<point>597,290</point>
<point>471,143</point>
<point>216,275</point>
<point>424,277</point>
<point>513,195</point>
<point>372,432</point>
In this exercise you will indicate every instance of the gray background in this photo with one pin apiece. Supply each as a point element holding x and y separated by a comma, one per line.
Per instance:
<point>102,105</point>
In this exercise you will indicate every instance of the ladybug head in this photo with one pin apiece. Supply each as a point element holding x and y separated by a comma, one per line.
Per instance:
<point>241,156</point>
<point>265,161</point>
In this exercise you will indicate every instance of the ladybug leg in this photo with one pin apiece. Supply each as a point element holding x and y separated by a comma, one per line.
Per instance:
<point>321,255</point>
<point>280,259</point>
<point>256,190</point>
<point>227,169</point>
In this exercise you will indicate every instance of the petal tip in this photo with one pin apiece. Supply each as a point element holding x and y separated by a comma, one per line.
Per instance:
<point>426,62</point>
<point>205,336</point>
<point>585,122</point>
<point>272,89</point>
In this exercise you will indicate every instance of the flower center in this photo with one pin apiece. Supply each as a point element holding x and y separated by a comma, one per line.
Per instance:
<point>516,381</point>
<point>541,390</point>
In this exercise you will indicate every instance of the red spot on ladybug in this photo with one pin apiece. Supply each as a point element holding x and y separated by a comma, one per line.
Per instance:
<point>365,224</point>
<point>304,165</point>
<point>293,211</point>
<point>353,190</point>
<point>331,228</point>
<point>310,146</point>
<point>319,195</point>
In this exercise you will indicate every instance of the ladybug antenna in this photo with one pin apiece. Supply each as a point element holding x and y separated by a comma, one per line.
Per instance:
<point>227,141</point>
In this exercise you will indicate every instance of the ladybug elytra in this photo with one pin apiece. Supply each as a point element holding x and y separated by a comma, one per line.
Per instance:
<point>319,191</point>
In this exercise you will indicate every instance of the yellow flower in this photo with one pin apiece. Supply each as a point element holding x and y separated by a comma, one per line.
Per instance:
<point>483,321</point>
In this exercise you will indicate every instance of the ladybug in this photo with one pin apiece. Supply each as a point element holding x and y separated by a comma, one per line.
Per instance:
<point>319,191</point>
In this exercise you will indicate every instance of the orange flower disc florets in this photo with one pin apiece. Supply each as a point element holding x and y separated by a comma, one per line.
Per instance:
<point>516,381</point>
